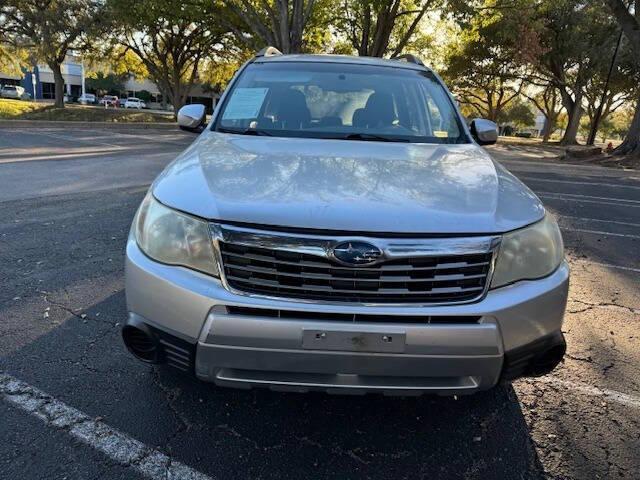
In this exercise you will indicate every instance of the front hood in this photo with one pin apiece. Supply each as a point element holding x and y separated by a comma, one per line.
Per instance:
<point>351,186</point>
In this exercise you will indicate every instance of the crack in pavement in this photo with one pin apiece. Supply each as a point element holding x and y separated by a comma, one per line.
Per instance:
<point>608,305</point>
<point>171,395</point>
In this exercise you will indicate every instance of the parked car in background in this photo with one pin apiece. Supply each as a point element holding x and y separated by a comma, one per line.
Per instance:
<point>87,99</point>
<point>109,101</point>
<point>337,226</point>
<point>523,134</point>
<point>121,102</point>
<point>12,91</point>
<point>133,102</point>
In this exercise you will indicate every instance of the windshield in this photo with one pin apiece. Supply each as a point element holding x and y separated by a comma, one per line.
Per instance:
<point>346,101</point>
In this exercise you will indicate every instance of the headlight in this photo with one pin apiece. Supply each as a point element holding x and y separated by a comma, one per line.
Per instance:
<point>530,253</point>
<point>174,238</point>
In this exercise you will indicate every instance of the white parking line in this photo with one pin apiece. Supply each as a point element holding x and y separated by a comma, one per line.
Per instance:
<point>72,139</point>
<point>599,232</point>
<point>574,182</point>
<point>116,445</point>
<point>593,197</point>
<point>592,391</point>
<point>583,219</point>
<point>178,140</point>
<point>555,196</point>
<point>606,265</point>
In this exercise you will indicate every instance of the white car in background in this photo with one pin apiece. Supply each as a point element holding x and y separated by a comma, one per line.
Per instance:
<point>87,99</point>
<point>133,102</point>
<point>12,91</point>
<point>109,101</point>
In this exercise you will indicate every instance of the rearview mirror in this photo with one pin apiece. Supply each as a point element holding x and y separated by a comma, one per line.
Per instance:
<point>485,132</point>
<point>191,117</point>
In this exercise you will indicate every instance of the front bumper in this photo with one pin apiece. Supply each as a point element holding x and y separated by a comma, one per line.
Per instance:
<point>251,349</point>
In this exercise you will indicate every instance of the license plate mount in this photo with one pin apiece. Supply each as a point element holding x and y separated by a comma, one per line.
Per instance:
<point>350,341</point>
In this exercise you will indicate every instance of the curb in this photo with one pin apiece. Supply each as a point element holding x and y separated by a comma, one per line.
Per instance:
<point>88,125</point>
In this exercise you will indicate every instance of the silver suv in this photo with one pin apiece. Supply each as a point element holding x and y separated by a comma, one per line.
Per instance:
<point>337,226</point>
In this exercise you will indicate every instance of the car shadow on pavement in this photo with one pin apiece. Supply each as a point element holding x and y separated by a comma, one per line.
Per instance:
<point>230,433</point>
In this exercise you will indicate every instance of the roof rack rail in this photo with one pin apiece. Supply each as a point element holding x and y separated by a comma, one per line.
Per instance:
<point>268,52</point>
<point>407,57</point>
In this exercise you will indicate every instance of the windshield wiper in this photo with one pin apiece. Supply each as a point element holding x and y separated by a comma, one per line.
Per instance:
<point>248,131</point>
<point>372,137</point>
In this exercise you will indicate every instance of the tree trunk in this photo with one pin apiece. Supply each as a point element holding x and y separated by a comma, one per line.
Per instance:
<point>573,124</point>
<point>179,96</point>
<point>549,127</point>
<point>176,100</point>
<point>56,68</point>
<point>631,143</point>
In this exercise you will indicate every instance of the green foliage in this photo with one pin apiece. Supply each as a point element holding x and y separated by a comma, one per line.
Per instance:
<point>560,47</point>
<point>482,62</point>
<point>13,59</point>
<point>49,30</point>
<point>170,40</point>
<point>117,59</point>
<point>518,114</point>
<point>144,95</point>
<point>217,72</point>
<point>105,84</point>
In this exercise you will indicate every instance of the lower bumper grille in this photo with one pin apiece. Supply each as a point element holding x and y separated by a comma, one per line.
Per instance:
<point>176,352</point>
<point>424,279</point>
<point>352,317</point>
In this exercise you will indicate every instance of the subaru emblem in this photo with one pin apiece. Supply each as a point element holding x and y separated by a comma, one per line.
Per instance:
<point>356,253</point>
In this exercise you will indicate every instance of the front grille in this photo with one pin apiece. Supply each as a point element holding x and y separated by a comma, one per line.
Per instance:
<point>423,279</point>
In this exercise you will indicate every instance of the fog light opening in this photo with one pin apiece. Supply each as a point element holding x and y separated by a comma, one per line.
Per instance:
<point>141,343</point>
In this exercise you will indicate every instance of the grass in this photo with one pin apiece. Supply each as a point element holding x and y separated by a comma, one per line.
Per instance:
<point>23,110</point>
<point>16,108</point>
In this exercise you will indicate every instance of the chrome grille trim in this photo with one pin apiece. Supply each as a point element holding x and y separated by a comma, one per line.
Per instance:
<point>299,268</point>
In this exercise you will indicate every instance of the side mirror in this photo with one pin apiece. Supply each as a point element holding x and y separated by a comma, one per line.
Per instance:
<point>485,132</point>
<point>191,117</point>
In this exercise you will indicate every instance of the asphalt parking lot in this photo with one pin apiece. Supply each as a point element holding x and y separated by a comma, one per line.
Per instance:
<point>76,405</point>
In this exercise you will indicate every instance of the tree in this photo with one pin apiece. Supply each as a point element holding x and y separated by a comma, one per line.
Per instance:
<point>574,42</point>
<point>12,59</point>
<point>630,24</point>
<point>547,100</point>
<point>171,40</point>
<point>482,65</point>
<point>623,87</point>
<point>103,84</point>
<point>518,114</point>
<point>218,71</point>
<point>50,29</point>
<point>376,28</point>
<point>281,23</point>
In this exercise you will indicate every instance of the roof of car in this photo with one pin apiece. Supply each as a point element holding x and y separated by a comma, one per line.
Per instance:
<point>327,58</point>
